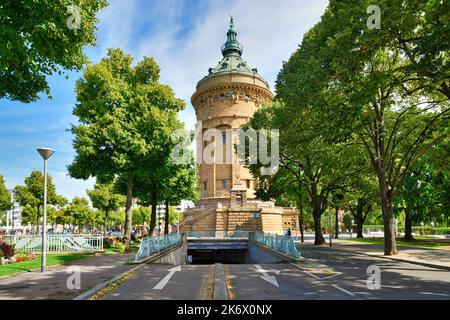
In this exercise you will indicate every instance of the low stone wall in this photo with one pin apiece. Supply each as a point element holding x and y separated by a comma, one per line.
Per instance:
<point>245,218</point>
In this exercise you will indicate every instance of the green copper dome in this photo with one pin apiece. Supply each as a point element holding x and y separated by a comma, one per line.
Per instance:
<point>232,61</point>
<point>232,45</point>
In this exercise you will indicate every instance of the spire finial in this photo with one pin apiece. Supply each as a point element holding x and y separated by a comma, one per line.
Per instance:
<point>232,45</point>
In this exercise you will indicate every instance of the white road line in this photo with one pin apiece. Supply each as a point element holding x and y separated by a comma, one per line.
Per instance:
<point>166,279</point>
<point>343,290</point>
<point>312,275</point>
<point>332,276</point>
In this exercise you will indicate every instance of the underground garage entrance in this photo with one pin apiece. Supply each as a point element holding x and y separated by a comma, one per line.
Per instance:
<point>212,256</point>
<point>210,251</point>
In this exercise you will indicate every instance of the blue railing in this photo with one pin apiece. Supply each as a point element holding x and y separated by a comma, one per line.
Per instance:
<point>152,245</point>
<point>283,244</point>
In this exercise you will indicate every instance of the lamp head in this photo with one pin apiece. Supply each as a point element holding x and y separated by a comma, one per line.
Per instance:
<point>45,153</point>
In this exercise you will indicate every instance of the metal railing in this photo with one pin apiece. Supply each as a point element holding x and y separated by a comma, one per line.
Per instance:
<point>152,245</point>
<point>283,244</point>
<point>56,242</point>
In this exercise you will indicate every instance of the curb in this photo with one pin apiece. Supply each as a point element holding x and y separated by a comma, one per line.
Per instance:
<point>140,263</point>
<point>220,285</point>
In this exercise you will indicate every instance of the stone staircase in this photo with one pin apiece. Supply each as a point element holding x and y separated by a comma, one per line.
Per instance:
<point>199,219</point>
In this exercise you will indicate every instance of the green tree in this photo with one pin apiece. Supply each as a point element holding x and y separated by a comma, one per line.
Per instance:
<point>80,212</point>
<point>30,196</point>
<point>126,118</point>
<point>286,190</point>
<point>361,198</point>
<point>141,215</point>
<point>104,198</point>
<point>321,167</point>
<point>179,183</point>
<point>5,196</point>
<point>37,42</point>
<point>386,89</point>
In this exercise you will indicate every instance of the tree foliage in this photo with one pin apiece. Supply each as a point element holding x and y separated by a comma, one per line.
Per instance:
<point>385,89</point>
<point>37,42</point>
<point>5,196</point>
<point>106,200</point>
<point>126,120</point>
<point>31,196</point>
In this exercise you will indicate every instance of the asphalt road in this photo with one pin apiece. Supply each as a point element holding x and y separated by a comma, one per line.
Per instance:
<point>348,281</point>
<point>149,283</point>
<point>398,280</point>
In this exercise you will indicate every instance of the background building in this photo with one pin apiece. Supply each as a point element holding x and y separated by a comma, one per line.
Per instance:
<point>12,218</point>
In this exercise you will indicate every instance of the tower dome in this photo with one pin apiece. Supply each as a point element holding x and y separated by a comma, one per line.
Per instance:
<point>232,61</point>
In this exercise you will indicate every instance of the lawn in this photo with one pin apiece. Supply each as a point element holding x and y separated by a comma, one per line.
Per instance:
<point>52,260</point>
<point>417,243</point>
<point>115,249</point>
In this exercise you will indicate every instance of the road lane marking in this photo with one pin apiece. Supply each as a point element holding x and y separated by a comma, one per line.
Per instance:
<point>166,279</point>
<point>313,275</point>
<point>270,279</point>
<point>343,290</point>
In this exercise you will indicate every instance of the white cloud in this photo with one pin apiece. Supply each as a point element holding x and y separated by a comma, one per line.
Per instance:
<point>269,30</point>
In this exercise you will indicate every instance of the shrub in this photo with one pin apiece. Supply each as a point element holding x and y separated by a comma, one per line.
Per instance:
<point>107,242</point>
<point>7,250</point>
<point>121,248</point>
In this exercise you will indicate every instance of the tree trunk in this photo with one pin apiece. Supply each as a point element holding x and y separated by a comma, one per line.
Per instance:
<point>129,211</point>
<point>408,225</point>
<point>336,233</point>
<point>105,226</point>
<point>390,246</point>
<point>153,215</point>
<point>318,235</point>
<point>359,228</point>
<point>166,219</point>
<point>359,221</point>
<point>300,220</point>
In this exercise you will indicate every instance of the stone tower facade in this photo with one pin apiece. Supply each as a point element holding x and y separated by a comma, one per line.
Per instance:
<point>225,100</point>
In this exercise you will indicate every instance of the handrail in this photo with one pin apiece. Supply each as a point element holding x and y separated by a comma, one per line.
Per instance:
<point>152,245</point>
<point>283,244</point>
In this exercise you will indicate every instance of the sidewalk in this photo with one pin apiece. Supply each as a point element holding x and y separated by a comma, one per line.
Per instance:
<point>53,283</point>
<point>436,258</point>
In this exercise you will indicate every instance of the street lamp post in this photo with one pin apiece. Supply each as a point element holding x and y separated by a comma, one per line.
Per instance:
<point>45,153</point>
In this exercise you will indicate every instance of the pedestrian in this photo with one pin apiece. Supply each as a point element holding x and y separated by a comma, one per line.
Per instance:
<point>288,232</point>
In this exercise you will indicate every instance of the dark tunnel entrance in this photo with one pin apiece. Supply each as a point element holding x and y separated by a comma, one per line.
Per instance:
<point>225,256</point>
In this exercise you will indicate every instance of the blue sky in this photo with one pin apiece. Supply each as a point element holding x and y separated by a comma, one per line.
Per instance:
<point>184,36</point>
